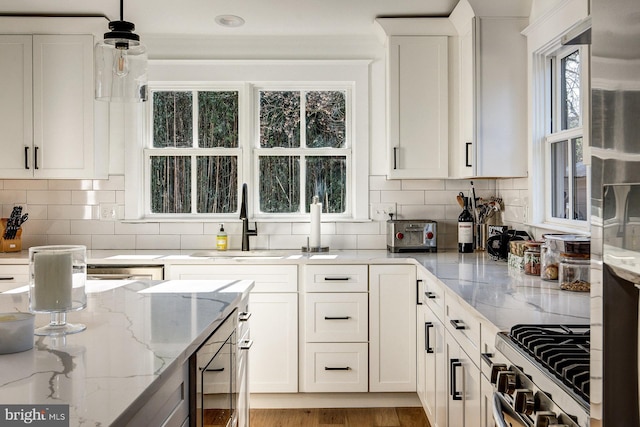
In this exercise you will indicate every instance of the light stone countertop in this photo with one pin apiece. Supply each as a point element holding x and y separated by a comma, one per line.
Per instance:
<point>502,296</point>
<point>132,342</point>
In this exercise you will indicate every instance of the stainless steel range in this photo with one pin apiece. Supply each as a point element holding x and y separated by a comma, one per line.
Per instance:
<point>546,380</point>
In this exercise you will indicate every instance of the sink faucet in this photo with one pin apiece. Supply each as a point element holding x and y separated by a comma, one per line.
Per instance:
<point>246,232</point>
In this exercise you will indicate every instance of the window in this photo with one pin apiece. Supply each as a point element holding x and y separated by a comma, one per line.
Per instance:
<point>193,162</point>
<point>565,168</point>
<point>300,147</point>
<point>303,150</point>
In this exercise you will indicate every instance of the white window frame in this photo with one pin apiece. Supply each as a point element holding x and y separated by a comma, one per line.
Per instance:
<point>303,151</point>
<point>196,74</point>
<point>555,135</point>
<point>543,39</point>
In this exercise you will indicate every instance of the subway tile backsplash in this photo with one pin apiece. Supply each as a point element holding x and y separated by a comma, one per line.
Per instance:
<point>67,212</point>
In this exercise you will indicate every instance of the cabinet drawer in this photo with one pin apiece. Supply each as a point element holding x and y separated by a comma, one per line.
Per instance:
<point>340,317</point>
<point>13,276</point>
<point>336,278</point>
<point>336,367</point>
<point>433,295</point>
<point>464,327</point>
<point>267,278</point>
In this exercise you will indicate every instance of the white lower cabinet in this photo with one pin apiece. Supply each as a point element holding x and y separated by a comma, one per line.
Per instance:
<point>335,329</point>
<point>486,405</point>
<point>273,303</point>
<point>392,328</point>
<point>464,386</point>
<point>435,402</point>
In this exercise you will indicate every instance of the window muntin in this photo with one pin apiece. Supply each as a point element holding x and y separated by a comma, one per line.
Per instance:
<point>303,139</point>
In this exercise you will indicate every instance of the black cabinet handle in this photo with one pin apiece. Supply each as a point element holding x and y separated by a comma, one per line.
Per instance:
<point>486,357</point>
<point>395,158</point>
<point>244,316</point>
<point>458,324</point>
<point>346,368</point>
<point>454,364</point>
<point>427,344</point>
<point>467,157</point>
<point>418,302</point>
<point>336,279</point>
<point>430,295</point>
<point>337,318</point>
<point>213,370</point>
<point>245,344</point>
<point>26,157</point>
<point>35,157</point>
<point>6,278</point>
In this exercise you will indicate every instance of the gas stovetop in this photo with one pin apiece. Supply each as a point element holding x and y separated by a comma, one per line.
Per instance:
<point>556,358</point>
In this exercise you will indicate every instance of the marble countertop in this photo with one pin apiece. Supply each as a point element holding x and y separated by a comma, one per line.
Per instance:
<point>132,339</point>
<point>502,296</point>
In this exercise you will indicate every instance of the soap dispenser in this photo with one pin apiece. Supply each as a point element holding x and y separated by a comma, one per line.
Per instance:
<point>221,239</point>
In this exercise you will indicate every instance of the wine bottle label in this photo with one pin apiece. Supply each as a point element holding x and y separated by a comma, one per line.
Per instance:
<point>465,232</point>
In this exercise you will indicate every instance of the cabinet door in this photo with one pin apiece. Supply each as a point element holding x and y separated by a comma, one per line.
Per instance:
<point>273,365</point>
<point>63,140</point>
<point>392,328</point>
<point>463,386</point>
<point>16,115</point>
<point>435,369</point>
<point>418,107</point>
<point>486,406</point>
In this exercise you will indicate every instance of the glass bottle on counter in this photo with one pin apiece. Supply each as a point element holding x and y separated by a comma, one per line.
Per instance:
<point>574,272</point>
<point>465,229</point>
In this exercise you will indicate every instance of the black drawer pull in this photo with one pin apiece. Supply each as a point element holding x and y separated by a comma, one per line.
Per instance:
<point>245,344</point>
<point>455,394</point>
<point>427,345</point>
<point>244,316</point>
<point>458,324</point>
<point>213,370</point>
<point>337,318</point>
<point>430,295</point>
<point>344,279</point>
<point>6,278</point>
<point>486,357</point>
<point>327,368</point>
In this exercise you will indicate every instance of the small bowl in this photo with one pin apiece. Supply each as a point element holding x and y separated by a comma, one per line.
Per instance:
<point>16,332</point>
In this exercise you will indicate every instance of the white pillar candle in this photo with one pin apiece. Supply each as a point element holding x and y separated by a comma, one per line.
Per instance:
<point>53,279</point>
<point>316,210</point>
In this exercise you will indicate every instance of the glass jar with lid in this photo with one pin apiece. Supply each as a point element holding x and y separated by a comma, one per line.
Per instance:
<point>574,272</point>
<point>554,245</point>
<point>532,258</point>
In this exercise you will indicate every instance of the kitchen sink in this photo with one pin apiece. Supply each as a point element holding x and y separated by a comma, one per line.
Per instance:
<point>236,255</point>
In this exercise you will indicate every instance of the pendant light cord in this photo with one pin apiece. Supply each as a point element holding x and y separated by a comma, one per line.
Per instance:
<point>121,10</point>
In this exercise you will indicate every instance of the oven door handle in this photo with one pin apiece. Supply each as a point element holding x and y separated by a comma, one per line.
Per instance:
<point>499,406</point>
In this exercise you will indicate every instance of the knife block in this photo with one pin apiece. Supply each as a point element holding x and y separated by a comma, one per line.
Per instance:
<point>10,245</point>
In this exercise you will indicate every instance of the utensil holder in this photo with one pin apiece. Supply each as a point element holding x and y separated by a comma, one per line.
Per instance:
<point>10,245</point>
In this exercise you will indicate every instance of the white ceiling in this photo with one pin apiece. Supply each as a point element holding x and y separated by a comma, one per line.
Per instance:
<point>263,17</point>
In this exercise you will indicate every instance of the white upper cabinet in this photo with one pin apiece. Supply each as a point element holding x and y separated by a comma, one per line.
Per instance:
<point>47,107</point>
<point>417,97</point>
<point>491,139</point>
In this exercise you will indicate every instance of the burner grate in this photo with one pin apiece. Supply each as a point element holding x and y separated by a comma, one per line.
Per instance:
<point>562,349</point>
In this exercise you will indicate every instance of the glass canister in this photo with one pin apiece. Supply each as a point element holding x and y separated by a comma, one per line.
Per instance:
<point>574,272</point>
<point>532,258</point>
<point>549,261</point>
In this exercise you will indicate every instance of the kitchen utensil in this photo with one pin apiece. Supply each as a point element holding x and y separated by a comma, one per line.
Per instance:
<point>460,199</point>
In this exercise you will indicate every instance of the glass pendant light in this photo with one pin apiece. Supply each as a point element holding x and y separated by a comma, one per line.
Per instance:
<point>121,64</point>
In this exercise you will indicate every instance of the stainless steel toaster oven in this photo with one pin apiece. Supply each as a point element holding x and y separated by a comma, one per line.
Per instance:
<point>411,235</point>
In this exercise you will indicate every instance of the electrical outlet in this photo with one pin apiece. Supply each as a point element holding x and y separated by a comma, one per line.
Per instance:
<point>108,211</point>
<point>381,211</point>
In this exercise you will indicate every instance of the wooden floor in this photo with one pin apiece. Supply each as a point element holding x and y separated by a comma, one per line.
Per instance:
<point>339,417</point>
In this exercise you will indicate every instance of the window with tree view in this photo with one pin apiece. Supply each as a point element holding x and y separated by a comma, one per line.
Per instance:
<point>193,161</point>
<point>303,150</point>
<point>565,166</point>
<point>299,148</point>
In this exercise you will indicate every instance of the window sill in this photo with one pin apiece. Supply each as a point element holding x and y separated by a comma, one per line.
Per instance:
<point>560,228</point>
<point>236,220</point>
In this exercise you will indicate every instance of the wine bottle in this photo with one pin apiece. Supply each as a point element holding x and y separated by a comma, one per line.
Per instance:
<point>465,229</point>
